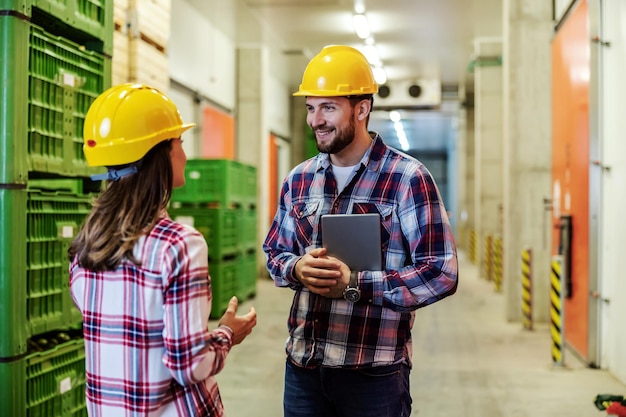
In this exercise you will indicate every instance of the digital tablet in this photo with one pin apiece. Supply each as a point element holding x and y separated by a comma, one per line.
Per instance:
<point>354,239</point>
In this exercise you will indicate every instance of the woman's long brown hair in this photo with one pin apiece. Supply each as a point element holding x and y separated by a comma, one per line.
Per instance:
<point>124,211</point>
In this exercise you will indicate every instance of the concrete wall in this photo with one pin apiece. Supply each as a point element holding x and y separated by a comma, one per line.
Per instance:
<point>488,144</point>
<point>612,228</point>
<point>206,66</point>
<point>527,150</point>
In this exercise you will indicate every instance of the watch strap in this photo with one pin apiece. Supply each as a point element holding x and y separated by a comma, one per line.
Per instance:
<point>352,292</point>
<point>354,279</point>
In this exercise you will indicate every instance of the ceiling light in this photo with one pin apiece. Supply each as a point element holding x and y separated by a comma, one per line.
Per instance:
<point>380,76</point>
<point>359,6</point>
<point>371,54</point>
<point>401,134</point>
<point>361,26</point>
<point>404,143</point>
<point>394,116</point>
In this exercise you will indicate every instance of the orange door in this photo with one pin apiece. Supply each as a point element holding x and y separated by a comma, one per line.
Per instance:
<point>570,163</point>
<point>218,135</point>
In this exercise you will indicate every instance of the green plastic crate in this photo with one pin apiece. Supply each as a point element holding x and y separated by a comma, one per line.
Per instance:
<point>14,47</point>
<point>76,186</point>
<point>53,83</point>
<point>220,181</point>
<point>53,220</point>
<point>71,185</point>
<point>36,228</point>
<point>47,383</point>
<point>249,186</point>
<point>223,285</point>
<point>88,22</point>
<point>246,276</point>
<point>13,323</point>
<point>247,225</point>
<point>218,226</point>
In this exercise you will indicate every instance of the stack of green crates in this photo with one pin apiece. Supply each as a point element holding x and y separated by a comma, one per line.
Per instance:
<point>49,380</point>
<point>219,200</point>
<point>55,59</point>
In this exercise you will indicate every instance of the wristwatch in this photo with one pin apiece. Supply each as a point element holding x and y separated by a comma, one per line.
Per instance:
<point>352,293</point>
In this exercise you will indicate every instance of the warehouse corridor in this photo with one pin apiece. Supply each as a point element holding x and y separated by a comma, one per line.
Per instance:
<point>468,362</point>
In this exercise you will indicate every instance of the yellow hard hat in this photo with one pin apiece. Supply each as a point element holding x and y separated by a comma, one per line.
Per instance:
<point>338,70</point>
<point>126,121</point>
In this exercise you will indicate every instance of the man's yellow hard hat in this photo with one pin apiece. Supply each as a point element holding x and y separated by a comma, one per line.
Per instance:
<point>338,70</point>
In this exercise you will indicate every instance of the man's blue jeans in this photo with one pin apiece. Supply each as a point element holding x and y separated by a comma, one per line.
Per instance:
<point>333,392</point>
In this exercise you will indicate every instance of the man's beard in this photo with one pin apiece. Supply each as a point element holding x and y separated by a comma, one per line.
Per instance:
<point>342,139</point>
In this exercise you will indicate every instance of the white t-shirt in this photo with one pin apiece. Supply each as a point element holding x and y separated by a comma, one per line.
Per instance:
<point>342,174</point>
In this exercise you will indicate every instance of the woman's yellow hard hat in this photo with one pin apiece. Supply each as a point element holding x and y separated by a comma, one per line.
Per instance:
<point>338,70</point>
<point>126,121</point>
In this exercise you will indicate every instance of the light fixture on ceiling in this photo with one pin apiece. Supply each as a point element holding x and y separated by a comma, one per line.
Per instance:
<point>380,76</point>
<point>401,134</point>
<point>359,6</point>
<point>371,54</point>
<point>361,26</point>
<point>396,118</point>
<point>363,31</point>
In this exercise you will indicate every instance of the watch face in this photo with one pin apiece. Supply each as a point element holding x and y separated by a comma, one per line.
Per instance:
<point>352,294</point>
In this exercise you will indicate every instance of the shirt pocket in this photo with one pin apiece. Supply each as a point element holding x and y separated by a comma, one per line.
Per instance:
<point>386,218</point>
<point>305,220</point>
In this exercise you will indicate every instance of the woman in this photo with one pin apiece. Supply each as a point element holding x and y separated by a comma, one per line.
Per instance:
<point>140,279</point>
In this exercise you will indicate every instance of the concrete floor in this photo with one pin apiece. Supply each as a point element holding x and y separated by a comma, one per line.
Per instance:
<point>468,361</point>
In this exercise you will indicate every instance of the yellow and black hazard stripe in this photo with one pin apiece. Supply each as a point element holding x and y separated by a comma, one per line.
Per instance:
<point>556,311</point>
<point>497,264</point>
<point>527,300</point>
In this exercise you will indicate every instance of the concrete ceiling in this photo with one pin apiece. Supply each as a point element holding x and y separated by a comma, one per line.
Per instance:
<point>416,39</point>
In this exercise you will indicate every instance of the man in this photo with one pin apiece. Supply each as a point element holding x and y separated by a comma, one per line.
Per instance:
<point>349,346</point>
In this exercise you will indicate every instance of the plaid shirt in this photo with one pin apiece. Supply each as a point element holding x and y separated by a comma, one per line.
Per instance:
<point>148,348</point>
<point>420,263</point>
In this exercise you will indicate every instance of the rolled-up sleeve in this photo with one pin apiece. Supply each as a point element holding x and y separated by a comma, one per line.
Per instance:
<point>192,351</point>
